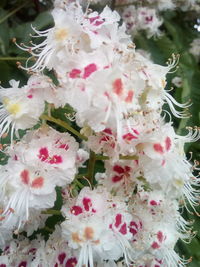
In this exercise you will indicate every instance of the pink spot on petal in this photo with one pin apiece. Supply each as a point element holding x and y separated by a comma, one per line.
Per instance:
<point>43,154</point>
<point>118,169</point>
<point>123,229</point>
<point>75,73</point>
<point>55,159</point>
<point>32,250</point>
<point>61,257</point>
<point>88,70</point>
<point>22,264</point>
<point>116,178</point>
<point>129,97</point>
<point>98,22</point>
<point>135,131</point>
<point>93,19</point>
<point>25,177</point>
<point>64,146</point>
<point>168,143</point>
<point>153,203</point>
<point>133,231</point>
<point>149,19</point>
<point>2,265</point>
<point>158,148</point>
<point>155,245</point>
<point>132,223</point>
<point>30,96</point>
<point>87,203</point>
<point>127,169</point>
<point>160,237</point>
<point>118,87</point>
<point>106,67</point>
<point>104,139</point>
<point>163,162</point>
<point>118,220</point>
<point>108,131</point>
<point>76,210</point>
<point>71,262</point>
<point>129,137</point>
<point>107,95</point>
<point>37,182</point>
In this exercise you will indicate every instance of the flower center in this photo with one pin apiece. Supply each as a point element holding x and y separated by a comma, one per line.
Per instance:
<point>61,34</point>
<point>12,108</point>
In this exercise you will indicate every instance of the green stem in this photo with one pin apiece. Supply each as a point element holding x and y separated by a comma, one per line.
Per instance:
<point>76,181</point>
<point>48,229</point>
<point>113,4</point>
<point>53,212</point>
<point>91,166</point>
<point>99,157</point>
<point>128,157</point>
<point>79,176</point>
<point>13,12</point>
<point>13,58</point>
<point>64,125</point>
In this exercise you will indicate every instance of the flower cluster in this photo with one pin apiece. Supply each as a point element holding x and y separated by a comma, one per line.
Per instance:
<point>146,15</point>
<point>129,216</point>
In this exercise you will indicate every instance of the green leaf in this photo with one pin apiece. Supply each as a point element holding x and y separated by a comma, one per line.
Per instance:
<point>4,36</point>
<point>44,20</point>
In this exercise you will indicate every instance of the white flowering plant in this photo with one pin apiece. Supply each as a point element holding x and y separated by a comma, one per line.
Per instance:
<point>94,171</point>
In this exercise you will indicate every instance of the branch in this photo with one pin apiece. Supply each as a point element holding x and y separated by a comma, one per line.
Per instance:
<point>91,166</point>
<point>53,212</point>
<point>64,125</point>
<point>99,157</point>
<point>113,4</point>
<point>13,58</point>
<point>13,12</point>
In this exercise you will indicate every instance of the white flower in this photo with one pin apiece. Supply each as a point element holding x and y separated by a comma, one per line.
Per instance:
<point>195,48</point>
<point>20,109</point>
<point>75,31</point>
<point>142,18</point>
<point>36,221</point>
<point>120,177</point>
<point>49,150</point>
<point>25,188</point>
<point>159,229</point>
<point>97,225</point>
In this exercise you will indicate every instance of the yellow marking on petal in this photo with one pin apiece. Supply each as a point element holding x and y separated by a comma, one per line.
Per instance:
<point>164,83</point>
<point>6,101</point>
<point>179,182</point>
<point>61,34</point>
<point>76,238</point>
<point>14,108</point>
<point>88,233</point>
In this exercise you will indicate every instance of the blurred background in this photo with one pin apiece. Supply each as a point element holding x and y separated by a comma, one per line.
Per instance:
<point>159,28</point>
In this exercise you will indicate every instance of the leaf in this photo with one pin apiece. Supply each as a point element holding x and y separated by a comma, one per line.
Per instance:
<point>4,37</point>
<point>44,20</point>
